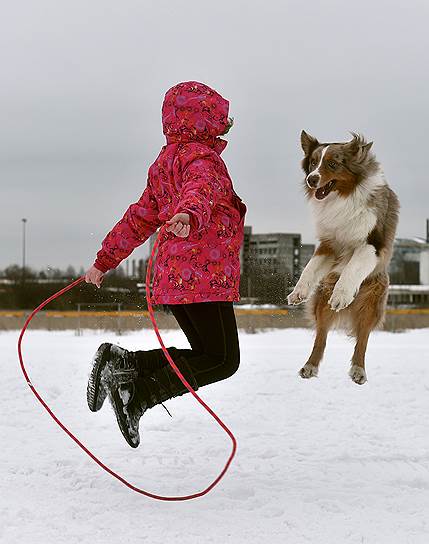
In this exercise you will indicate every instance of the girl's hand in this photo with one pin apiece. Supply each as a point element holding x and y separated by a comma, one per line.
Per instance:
<point>94,276</point>
<point>179,225</point>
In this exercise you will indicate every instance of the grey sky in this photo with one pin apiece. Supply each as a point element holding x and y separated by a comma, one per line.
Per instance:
<point>82,85</point>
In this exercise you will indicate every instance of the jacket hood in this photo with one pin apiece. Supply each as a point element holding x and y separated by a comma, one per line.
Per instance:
<point>193,112</point>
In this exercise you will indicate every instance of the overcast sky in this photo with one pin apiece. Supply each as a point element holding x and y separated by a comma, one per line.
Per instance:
<point>82,84</point>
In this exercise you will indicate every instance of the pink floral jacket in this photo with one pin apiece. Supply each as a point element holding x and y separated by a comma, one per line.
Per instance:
<point>188,176</point>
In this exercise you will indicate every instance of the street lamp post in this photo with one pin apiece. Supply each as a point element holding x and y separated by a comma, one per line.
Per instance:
<point>24,221</point>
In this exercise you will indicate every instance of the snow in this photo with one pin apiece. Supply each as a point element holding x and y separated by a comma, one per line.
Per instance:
<point>322,461</point>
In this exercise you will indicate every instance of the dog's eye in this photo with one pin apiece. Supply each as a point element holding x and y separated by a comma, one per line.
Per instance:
<point>313,162</point>
<point>332,164</point>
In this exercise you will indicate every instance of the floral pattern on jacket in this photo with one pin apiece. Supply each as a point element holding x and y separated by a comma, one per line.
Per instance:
<point>187,176</point>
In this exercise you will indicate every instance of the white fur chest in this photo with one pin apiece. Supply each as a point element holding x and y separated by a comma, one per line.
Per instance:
<point>347,221</point>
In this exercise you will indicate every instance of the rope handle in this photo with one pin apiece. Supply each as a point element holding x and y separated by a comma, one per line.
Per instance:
<point>173,365</point>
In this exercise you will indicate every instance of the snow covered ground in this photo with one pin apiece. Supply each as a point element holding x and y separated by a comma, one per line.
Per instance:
<point>320,461</point>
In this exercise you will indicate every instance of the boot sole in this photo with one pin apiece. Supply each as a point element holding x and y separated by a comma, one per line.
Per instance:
<point>95,391</point>
<point>118,407</point>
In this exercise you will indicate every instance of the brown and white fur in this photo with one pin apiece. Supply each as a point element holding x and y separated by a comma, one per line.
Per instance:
<point>356,214</point>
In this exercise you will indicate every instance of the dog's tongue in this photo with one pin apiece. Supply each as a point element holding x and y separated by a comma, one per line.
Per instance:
<point>324,191</point>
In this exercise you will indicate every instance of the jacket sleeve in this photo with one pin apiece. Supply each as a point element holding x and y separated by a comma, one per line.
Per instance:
<point>138,223</point>
<point>203,184</point>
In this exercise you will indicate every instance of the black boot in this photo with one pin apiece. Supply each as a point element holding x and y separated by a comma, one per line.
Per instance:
<point>118,379</point>
<point>95,392</point>
<point>146,362</point>
<point>131,395</point>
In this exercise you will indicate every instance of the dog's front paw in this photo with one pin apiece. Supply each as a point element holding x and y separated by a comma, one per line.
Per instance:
<point>357,374</point>
<point>341,298</point>
<point>299,294</point>
<point>309,371</point>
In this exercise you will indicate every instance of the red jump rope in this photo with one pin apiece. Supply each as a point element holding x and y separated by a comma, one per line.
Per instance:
<point>176,370</point>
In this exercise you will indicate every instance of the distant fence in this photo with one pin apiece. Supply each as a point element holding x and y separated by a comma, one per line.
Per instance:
<point>248,319</point>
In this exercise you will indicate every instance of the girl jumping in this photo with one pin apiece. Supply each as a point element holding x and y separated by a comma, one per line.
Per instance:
<point>197,270</point>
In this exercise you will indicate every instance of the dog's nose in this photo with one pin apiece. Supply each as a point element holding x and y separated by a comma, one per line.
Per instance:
<point>313,180</point>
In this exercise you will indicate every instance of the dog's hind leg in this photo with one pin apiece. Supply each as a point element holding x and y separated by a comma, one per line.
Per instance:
<point>324,318</point>
<point>367,312</point>
<point>357,370</point>
<point>311,367</point>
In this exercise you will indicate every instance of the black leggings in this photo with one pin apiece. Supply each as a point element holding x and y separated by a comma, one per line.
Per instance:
<point>211,330</point>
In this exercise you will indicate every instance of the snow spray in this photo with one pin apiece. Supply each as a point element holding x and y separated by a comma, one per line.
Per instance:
<point>176,370</point>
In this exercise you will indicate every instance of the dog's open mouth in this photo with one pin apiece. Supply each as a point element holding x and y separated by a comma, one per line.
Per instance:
<point>324,191</point>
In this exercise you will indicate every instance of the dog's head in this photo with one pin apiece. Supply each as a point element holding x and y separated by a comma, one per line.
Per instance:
<point>335,167</point>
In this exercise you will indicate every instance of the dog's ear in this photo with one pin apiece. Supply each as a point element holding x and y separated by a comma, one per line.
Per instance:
<point>308,143</point>
<point>367,147</point>
<point>358,146</point>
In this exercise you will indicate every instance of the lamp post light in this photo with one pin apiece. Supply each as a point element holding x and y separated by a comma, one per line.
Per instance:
<point>24,221</point>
